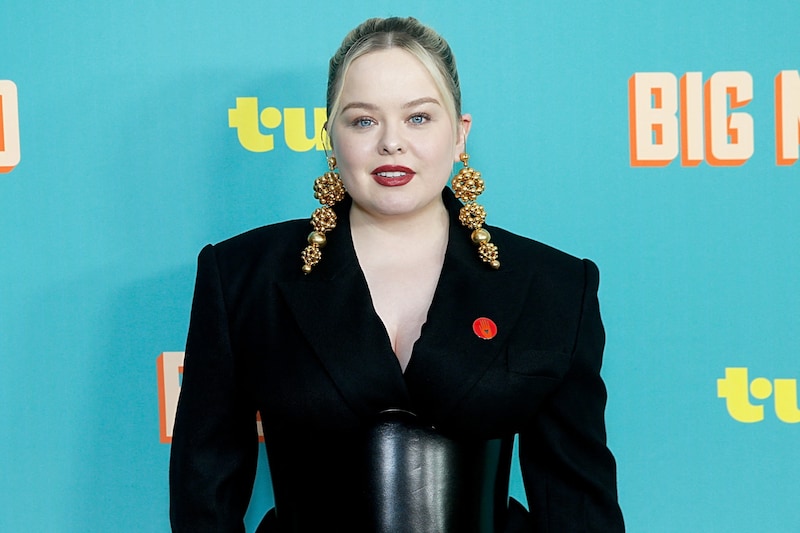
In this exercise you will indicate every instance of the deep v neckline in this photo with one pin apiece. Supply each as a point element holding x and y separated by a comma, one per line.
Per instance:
<point>401,284</point>
<point>402,356</point>
<point>334,310</point>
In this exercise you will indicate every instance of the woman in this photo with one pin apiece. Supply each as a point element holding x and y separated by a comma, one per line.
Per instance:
<point>394,365</point>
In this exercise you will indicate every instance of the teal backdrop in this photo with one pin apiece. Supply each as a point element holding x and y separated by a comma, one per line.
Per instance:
<point>128,164</point>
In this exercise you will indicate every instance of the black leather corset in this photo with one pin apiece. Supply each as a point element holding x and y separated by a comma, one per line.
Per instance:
<point>400,476</point>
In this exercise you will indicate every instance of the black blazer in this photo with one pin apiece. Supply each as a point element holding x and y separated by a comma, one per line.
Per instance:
<point>311,355</point>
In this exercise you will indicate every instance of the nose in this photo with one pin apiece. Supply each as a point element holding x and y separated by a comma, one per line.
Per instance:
<point>392,149</point>
<point>391,141</point>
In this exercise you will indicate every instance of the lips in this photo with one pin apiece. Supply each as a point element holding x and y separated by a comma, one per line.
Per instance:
<point>392,175</point>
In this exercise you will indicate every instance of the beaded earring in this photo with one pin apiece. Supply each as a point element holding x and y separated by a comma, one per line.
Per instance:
<point>467,186</point>
<point>328,189</point>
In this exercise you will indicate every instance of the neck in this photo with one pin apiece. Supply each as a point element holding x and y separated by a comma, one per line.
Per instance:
<point>399,239</point>
<point>426,224</point>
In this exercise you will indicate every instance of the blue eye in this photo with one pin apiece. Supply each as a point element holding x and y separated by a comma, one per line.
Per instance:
<point>363,122</point>
<point>419,119</point>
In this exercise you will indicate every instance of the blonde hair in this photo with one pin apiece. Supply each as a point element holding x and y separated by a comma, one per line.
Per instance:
<point>407,34</point>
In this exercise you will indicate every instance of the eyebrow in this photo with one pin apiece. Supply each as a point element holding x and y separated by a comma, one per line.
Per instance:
<point>420,101</point>
<point>373,107</point>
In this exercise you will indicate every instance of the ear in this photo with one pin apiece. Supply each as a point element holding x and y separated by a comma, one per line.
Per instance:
<point>463,127</point>
<point>325,137</point>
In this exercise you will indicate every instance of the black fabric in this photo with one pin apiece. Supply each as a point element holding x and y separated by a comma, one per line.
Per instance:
<point>310,353</point>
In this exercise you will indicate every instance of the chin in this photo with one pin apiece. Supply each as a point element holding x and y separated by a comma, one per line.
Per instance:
<point>397,206</point>
<point>396,209</point>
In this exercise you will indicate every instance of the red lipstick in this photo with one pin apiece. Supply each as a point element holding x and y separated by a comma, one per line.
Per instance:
<point>392,175</point>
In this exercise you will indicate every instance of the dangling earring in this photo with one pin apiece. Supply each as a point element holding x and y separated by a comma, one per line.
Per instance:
<point>328,189</point>
<point>467,186</point>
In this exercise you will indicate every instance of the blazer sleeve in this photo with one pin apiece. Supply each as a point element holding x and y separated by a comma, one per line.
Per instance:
<point>568,471</point>
<point>215,444</point>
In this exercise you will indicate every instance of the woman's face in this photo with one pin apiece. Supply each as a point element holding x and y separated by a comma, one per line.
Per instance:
<point>393,139</point>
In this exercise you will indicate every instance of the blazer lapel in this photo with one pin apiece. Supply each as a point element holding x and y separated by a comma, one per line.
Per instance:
<point>450,357</point>
<point>334,310</point>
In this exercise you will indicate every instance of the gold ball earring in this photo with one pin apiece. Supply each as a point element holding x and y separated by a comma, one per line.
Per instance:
<point>467,186</point>
<point>328,189</point>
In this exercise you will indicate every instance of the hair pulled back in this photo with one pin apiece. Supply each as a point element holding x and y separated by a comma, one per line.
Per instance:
<point>405,33</point>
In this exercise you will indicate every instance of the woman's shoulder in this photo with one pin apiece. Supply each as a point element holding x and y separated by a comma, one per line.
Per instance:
<point>277,234</point>
<point>273,247</point>
<point>524,252</point>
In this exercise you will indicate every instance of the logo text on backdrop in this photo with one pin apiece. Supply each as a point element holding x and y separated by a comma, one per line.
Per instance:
<point>668,117</point>
<point>9,126</point>
<point>169,371</point>
<point>248,121</point>
<point>737,389</point>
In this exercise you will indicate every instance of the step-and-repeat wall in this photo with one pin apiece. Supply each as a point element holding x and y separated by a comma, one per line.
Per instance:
<point>658,138</point>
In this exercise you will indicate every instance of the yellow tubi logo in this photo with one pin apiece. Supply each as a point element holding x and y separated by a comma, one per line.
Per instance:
<point>737,388</point>
<point>248,120</point>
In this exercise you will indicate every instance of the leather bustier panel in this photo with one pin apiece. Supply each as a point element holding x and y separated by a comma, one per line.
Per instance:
<point>398,476</point>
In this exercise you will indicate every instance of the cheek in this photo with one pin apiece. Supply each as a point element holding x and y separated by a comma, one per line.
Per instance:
<point>342,151</point>
<point>350,160</point>
<point>353,151</point>
<point>448,153</point>
<point>458,149</point>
